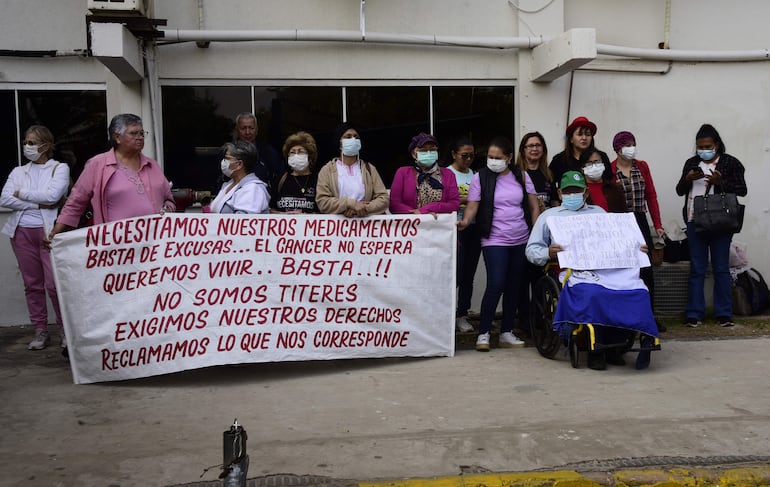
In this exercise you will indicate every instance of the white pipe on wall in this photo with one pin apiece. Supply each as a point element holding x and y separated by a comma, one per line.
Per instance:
<point>181,35</point>
<point>684,55</point>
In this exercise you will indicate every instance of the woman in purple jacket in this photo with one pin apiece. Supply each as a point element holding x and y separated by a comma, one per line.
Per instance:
<point>424,187</point>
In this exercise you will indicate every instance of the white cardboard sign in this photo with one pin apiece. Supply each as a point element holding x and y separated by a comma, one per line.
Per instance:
<point>598,241</point>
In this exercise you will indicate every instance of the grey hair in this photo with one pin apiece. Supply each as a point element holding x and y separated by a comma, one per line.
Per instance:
<point>246,115</point>
<point>243,151</point>
<point>119,124</point>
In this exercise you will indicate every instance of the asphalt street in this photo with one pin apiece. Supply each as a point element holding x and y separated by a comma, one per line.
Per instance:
<point>503,411</point>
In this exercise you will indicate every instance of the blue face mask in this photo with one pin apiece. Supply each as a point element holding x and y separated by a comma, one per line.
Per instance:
<point>351,147</point>
<point>572,201</point>
<point>427,159</point>
<point>707,155</point>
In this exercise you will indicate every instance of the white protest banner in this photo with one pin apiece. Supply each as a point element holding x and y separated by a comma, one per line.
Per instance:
<point>598,241</point>
<point>160,294</point>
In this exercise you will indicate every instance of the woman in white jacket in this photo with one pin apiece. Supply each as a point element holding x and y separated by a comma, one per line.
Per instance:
<point>245,192</point>
<point>34,192</point>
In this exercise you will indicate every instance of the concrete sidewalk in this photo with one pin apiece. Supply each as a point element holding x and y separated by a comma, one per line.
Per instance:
<point>700,404</point>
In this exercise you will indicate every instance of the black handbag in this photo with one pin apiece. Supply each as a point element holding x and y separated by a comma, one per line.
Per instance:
<point>717,213</point>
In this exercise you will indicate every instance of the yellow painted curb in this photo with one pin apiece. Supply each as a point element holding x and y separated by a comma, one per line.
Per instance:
<point>674,477</point>
<point>697,477</point>
<point>563,478</point>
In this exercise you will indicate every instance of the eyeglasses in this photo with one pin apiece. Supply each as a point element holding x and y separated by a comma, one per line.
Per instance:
<point>533,146</point>
<point>138,133</point>
<point>466,155</point>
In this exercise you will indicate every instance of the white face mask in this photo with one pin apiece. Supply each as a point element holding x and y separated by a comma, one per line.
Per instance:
<point>225,166</point>
<point>594,171</point>
<point>31,152</point>
<point>298,162</point>
<point>351,147</point>
<point>628,152</point>
<point>497,165</point>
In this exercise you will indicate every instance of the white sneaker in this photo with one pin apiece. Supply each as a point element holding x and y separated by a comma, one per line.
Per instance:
<point>462,324</point>
<point>40,342</point>
<point>482,342</point>
<point>509,340</point>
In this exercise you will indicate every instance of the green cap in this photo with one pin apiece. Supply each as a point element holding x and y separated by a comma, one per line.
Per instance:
<point>573,178</point>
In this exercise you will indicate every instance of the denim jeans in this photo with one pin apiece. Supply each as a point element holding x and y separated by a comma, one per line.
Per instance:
<point>468,253</point>
<point>506,274</point>
<point>719,247</point>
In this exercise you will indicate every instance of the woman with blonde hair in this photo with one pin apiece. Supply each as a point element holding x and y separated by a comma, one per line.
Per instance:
<point>34,191</point>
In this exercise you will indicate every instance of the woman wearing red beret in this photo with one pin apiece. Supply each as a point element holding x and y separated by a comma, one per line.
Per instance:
<point>580,137</point>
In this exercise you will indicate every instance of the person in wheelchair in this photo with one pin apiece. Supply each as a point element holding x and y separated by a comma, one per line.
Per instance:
<point>616,305</point>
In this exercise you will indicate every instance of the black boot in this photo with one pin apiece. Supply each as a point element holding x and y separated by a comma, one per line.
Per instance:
<point>597,361</point>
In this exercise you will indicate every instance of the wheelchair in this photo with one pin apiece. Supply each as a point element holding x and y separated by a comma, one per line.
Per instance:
<point>582,337</point>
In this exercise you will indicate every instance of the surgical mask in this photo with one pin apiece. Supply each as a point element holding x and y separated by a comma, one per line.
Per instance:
<point>594,171</point>
<point>427,159</point>
<point>497,165</point>
<point>31,152</point>
<point>225,166</point>
<point>351,147</point>
<point>572,201</point>
<point>707,155</point>
<point>298,162</point>
<point>628,152</point>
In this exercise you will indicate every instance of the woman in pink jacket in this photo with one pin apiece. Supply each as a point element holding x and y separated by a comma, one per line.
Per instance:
<point>120,183</point>
<point>424,187</point>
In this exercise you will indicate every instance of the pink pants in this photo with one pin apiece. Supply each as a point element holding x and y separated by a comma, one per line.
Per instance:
<point>37,273</point>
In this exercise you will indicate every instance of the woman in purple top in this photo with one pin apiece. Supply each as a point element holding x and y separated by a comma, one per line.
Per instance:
<point>503,200</point>
<point>424,187</point>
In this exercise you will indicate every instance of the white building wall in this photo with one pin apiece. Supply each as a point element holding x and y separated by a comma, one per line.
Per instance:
<point>258,61</point>
<point>663,110</point>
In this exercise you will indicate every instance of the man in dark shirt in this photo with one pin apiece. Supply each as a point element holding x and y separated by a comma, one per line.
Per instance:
<point>271,166</point>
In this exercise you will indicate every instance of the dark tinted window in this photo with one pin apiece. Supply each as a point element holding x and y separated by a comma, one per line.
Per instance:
<point>282,111</point>
<point>389,117</point>
<point>479,112</point>
<point>197,120</point>
<point>77,119</point>
<point>9,138</point>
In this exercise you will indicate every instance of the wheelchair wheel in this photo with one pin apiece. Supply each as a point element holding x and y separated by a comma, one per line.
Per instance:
<point>574,353</point>
<point>544,298</point>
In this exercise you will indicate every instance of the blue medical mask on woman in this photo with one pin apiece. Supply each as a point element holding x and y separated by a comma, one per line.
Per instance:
<point>427,159</point>
<point>572,201</point>
<point>707,155</point>
<point>351,147</point>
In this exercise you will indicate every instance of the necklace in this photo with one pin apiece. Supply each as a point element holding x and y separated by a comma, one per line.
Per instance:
<point>302,188</point>
<point>133,176</point>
